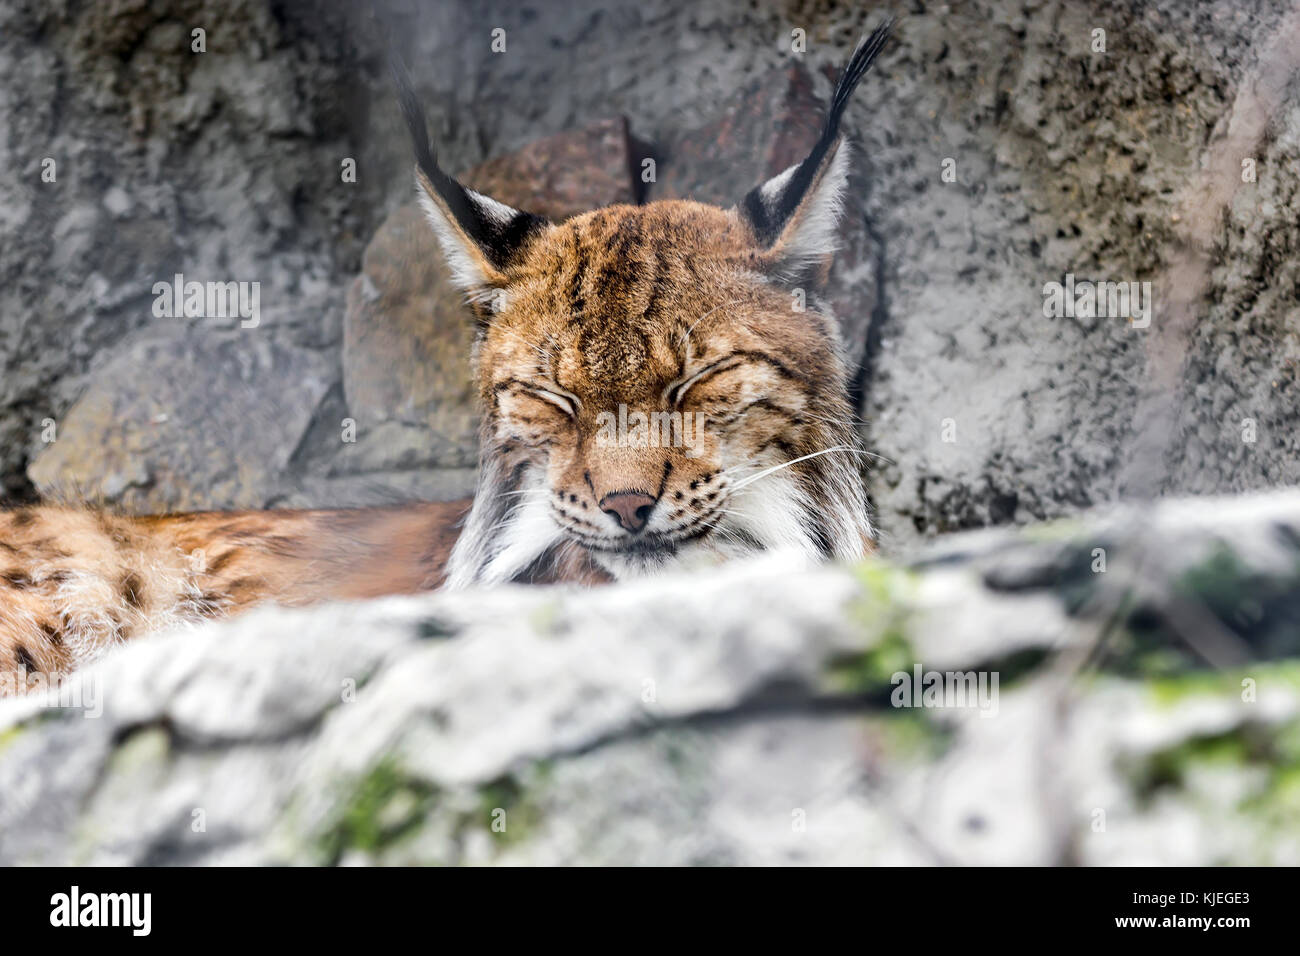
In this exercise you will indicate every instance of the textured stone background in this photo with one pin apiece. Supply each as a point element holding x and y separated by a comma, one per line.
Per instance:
<point>225,165</point>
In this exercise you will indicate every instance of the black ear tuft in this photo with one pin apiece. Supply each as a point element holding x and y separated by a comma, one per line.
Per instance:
<point>413,113</point>
<point>477,233</point>
<point>770,207</point>
<point>867,50</point>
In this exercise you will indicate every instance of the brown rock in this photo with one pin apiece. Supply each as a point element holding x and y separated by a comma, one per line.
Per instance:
<point>764,129</point>
<point>562,175</point>
<point>407,338</point>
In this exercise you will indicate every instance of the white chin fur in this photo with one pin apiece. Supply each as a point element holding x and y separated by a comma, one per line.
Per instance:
<point>758,520</point>
<point>697,556</point>
<point>693,555</point>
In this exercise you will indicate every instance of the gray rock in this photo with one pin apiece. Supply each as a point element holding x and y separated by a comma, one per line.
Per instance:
<point>744,716</point>
<point>190,420</point>
<point>222,165</point>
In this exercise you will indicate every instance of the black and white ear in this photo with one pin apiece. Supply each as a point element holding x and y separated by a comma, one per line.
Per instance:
<point>795,215</point>
<point>479,236</point>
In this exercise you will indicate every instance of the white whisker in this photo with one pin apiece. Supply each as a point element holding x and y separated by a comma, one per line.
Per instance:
<point>775,468</point>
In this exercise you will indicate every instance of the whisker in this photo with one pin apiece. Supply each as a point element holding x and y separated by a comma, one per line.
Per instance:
<point>775,468</point>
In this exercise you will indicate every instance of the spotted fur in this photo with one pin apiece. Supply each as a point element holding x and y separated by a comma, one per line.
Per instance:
<point>74,582</point>
<point>671,308</point>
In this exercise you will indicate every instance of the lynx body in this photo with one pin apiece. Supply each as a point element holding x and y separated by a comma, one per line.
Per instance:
<point>653,399</point>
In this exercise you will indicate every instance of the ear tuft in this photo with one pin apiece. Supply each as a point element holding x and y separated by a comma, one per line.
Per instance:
<point>794,215</point>
<point>479,236</point>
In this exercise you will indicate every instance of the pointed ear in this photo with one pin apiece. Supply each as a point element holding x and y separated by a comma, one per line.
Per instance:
<point>794,216</point>
<point>479,236</point>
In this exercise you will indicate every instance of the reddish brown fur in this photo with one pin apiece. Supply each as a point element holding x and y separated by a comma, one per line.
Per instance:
<point>75,581</point>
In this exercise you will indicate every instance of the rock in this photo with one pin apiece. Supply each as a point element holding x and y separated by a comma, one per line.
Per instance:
<point>407,338</point>
<point>222,165</point>
<point>186,421</point>
<point>564,174</point>
<point>1050,414</point>
<point>376,488</point>
<point>749,715</point>
<point>1064,161</point>
<point>408,335</point>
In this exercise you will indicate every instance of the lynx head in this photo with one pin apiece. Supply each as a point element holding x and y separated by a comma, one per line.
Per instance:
<point>652,396</point>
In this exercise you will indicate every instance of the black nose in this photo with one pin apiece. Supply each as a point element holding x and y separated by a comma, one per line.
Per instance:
<point>630,509</point>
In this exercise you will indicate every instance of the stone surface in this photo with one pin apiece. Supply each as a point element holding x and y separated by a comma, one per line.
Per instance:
<point>563,174</point>
<point>186,421</point>
<point>376,488</point>
<point>742,716</point>
<point>1067,161</point>
<point>222,165</point>
<point>406,342</point>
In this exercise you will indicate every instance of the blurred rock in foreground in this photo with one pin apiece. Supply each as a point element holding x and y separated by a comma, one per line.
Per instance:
<point>1135,699</point>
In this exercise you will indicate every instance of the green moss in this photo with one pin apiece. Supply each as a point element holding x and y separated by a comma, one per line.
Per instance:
<point>1262,607</point>
<point>1169,768</point>
<point>1257,762</point>
<point>881,610</point>
<point>872,669</point>
<point>1287,744</point>
<point>1269,754</point>
<point>909,734</point>
<point>544,618</point>
<point>145,748</point>
<point>1170,689</point>
<point>1277,803</point>
<point>1219,581</point>
<point>1284,793</point>
<point>1051,532</point>
<point>384,806</point>
<point>9,735</point>
<point>883,584</point>
<point>506,810</point>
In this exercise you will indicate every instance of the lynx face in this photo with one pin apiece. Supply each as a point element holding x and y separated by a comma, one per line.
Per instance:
<point>653,397</point>
<point>640,370</point>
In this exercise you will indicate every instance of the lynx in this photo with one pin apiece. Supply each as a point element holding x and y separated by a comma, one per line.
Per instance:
<point>673,312</point>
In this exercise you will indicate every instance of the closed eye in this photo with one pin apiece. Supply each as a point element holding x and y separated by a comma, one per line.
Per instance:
<point>676,391</point>
<point>567,402</point>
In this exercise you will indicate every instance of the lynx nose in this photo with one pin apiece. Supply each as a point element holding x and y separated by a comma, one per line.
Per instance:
<point>630,509</point>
